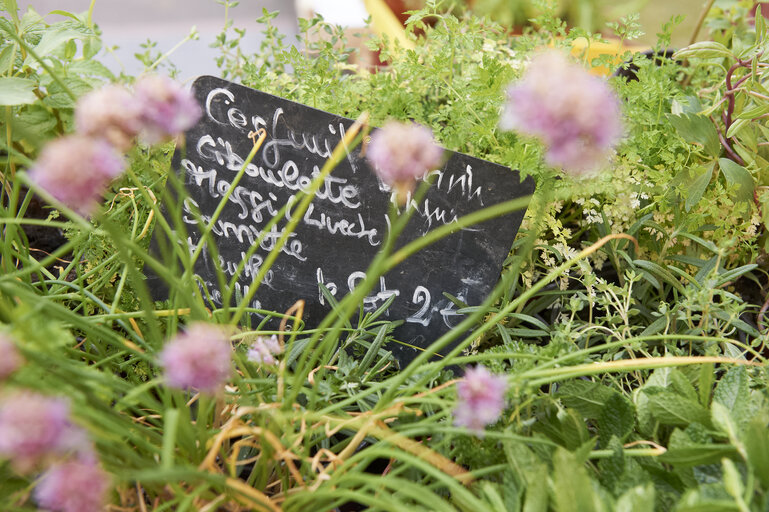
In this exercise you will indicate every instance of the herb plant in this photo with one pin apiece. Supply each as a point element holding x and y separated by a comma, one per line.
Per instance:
<point>618,364</point>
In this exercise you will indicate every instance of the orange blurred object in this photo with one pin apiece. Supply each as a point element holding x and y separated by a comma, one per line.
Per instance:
<point>582,50</point>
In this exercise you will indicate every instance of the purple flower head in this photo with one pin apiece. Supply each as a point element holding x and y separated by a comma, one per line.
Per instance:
<point>199,358</point>
<point>167,109</point>
<point>35,428</point>
<point>10,359</point>
<point>264,350</point>
<point>75,485</point>
<point>401,153</point>
<point>575,114</point>
<point>111,113</point>
<point>76,170</point>
<point>481,399</point>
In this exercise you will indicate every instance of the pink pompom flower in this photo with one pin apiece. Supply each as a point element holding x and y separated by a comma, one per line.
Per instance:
<point>74,485</point>
<point>35,428</point>
<point>264,350</point>
<point>167,109</point>
<point>111,113</point>
<point>481,397</point>
<point>402,153</point>
<point>10,359</point>
<point>77,170</point>
<point>575,114</point>
<point>199,358</point>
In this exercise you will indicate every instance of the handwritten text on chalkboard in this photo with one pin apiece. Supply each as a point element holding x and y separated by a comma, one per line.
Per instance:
<point>345,224</point>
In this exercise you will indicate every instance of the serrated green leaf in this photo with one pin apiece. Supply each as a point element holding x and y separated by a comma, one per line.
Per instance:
<point>701,178</point>
<point>91,68</point>
<point>7,55</point>
<point>59,98</point>
<point>587,397</point>
<point>17,91</point>
<point>617,417</point>
<point>611,469</point>
<point>697,129</point>
<point>681,385</point>
<point>723,421</point>
<point>756,441</point>
<point>51,40</point>
<point>733,388</point>
<point>673,409</point>
<point>572,488</point>
<point>637,499</point>
<point>536,496</point>
<point>34,124</point>
<point>736,174</point>
<point>29,20</point>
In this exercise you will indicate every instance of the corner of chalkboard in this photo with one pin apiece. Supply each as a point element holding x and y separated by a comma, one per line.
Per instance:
<point>528,182</point>
<point>202,78</point>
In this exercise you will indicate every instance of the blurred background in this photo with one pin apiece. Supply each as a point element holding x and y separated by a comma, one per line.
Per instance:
<point>127,25</point>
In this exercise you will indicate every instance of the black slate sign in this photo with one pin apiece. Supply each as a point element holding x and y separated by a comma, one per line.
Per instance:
<point>346,223</point>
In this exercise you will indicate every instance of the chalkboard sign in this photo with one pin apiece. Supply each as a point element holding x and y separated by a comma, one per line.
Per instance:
<point>346,223</point>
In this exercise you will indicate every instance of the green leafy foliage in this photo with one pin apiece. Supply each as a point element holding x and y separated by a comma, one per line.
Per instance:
<point>636,367</point>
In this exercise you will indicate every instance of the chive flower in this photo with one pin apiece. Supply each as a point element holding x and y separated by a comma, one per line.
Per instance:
<point>401,153</point>
<point>10,359</point>
<point>35,428</point>
<point>76,170</point>
<point>198,358</point>
<point>481,399</point>
<point>167,109</point>
<point>575,114</point>
<point>111,113</point>
<point>264,350</point>
<point>78,484</point>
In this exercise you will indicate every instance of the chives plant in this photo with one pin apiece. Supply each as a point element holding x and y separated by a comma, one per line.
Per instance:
<point>619,363</point>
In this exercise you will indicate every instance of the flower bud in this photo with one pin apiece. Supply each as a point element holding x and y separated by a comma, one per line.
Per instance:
<point>167,109</point>
<point>401,153</point>
<point>111,113</point>
<point>264,350</point>
<point>10,359</point>
<point>575,114</point>
<point>35,428</point>
<point>481,399</point>
<point>199,358</point>
<point>77,170</point>
<point>75,485</point>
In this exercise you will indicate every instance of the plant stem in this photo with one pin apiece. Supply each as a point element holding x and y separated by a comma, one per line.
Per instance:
<point>89,21</point>
<point>701,21</point>
<point>624,365</point>
<point>178,45</point>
